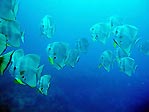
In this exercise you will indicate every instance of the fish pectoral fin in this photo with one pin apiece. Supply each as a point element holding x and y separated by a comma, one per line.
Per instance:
<point>99,66</point>
<point>51,60</point>
<point>18,81</point>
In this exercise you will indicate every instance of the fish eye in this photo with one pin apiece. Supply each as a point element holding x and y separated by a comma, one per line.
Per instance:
<point>112,24</point>
<point>23,77</point>
<point>54,57</point>
<point>43,26</point>
<point>49,48</point>
<point>14,68</point>
<point>41,88</point>
<point>92,28</point>
<point>116,32</point>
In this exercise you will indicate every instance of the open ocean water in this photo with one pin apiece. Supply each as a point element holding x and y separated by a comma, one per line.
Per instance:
<point>84,88</point>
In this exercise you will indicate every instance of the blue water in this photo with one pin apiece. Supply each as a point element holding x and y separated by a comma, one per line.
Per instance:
<point>84,88</point>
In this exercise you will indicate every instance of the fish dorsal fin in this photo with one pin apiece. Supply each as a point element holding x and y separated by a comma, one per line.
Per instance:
<point>132,30</point>
<point>17,54</point>
<point>33,60</point>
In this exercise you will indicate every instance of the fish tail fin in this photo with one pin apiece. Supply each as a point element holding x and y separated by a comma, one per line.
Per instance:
<point>135,68</point>
<point>22,37</point>
<point>16,7</point>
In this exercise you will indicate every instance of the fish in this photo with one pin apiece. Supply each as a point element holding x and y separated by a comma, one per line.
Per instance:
<point>127,65</point>
<point>82,45</point>
<point>100,32</point>
<point>44,84</point>
<point>106,60</point>
<point>9,9</point>
<point>57,53</point>
<point>144,47</point>
<point>25,68</point>
<point>73,57</point>
<point>47,26</point>
<point>29,70</point>
<point>125,36</point>
<point>12,31</point>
